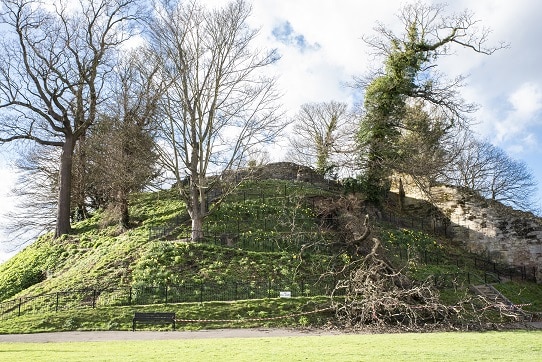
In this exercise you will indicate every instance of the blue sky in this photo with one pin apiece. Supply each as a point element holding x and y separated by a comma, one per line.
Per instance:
<point>321,50</point>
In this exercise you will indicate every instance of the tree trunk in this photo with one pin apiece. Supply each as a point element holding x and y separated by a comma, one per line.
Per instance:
<point>124,212</point>
<point>197,228</point>
<point>197,212</point>
<point>63,225</point>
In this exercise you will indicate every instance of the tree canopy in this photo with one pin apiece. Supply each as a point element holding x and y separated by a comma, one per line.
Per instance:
<point>54,72</point>
<point>409,75</point>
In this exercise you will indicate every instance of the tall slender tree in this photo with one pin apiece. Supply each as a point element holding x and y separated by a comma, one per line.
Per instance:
<point>219,103</point>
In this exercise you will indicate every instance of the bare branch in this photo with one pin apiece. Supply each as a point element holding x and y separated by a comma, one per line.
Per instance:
<point>54,71</point>
<point>219,104</point>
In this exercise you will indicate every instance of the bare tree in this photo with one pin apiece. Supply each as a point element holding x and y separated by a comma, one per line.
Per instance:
<point>35,193</point>
<point>53,75</point>
<point>219,104</point>
<point>488,170</point>
<point>410,72</point>
<point>323,133</point>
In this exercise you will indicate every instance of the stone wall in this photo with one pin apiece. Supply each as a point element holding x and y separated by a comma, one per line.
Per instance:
<point>282,171</point>
<point>484,227</point>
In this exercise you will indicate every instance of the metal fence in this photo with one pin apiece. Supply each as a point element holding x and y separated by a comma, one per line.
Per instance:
<point>237,224</point>
<point>436,225</point>
<point>198,292</point>
<point>493,271</point>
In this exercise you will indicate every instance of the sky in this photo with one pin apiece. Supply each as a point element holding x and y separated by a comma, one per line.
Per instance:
<point>321,51</point>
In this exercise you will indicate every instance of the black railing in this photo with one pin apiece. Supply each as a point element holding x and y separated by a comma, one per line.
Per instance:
<point>494,272</point>
<point>188,292</point>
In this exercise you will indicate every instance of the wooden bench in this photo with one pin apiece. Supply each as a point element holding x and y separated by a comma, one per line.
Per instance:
<point>153,317</point>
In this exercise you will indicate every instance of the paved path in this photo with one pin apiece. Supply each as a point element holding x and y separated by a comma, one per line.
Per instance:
<point>98,336</point>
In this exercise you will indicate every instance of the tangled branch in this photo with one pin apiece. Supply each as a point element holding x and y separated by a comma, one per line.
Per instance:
<point>377,295</point>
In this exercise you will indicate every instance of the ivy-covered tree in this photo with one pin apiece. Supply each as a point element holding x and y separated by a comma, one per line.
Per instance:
<point>409,75</point>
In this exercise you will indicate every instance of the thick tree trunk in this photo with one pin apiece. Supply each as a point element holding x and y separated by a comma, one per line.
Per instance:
<point>197,228</point>
<point>63,225</point>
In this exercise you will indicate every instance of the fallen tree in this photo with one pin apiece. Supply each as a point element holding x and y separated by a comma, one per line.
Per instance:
<point>373,293</point>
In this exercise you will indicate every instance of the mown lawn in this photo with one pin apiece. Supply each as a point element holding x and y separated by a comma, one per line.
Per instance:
<point>449,346</point>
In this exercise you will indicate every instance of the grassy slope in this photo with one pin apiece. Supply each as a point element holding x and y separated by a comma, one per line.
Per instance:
<point>95,257</point>
<point>245,313</point>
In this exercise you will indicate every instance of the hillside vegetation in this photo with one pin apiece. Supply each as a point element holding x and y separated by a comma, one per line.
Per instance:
<point>95,257</point>
<point>268,236</point>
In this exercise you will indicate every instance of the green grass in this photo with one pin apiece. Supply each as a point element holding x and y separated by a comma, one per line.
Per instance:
<point>261,213</point>
<point>527,294</point>
<point>120,318</point>
<point>453,346</point>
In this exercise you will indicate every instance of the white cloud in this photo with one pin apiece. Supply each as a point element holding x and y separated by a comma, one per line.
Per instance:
<point>526,101</point>
<point>5,255</point>
<point>515,121</point>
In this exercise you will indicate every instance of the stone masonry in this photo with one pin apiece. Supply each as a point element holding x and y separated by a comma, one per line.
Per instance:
<point>484,227</point>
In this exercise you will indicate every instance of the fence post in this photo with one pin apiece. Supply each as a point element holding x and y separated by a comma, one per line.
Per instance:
<point>165,292</point>
<point>93,298</point>
<point>20,302</point>
<point>130,297</point>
